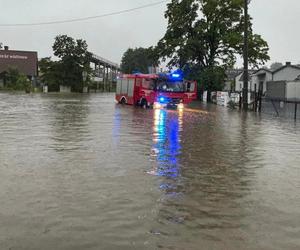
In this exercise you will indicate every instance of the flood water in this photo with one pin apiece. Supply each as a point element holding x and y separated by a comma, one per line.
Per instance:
<point>80,172</point>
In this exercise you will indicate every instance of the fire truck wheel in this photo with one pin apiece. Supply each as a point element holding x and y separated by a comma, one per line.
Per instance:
<point>144,103</point>
<point>123,101</point>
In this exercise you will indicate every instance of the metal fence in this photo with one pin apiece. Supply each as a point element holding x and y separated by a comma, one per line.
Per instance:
<point>281,108</point>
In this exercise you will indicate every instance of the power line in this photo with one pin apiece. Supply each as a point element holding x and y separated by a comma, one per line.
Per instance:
<point>83,18</point>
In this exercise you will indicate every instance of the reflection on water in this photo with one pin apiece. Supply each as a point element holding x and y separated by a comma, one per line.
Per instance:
<point>117,126</point>
<point>79,172</point>
<point>166,139</point>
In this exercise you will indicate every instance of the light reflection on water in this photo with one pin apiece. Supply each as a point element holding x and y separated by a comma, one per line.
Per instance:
<point>166,139</point>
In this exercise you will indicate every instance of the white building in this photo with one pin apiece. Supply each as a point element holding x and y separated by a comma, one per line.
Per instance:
<point>260,78</point>
<point>288,72</point>
<point>239,81</point>
<point>229,83</point>
<point>285,83</point>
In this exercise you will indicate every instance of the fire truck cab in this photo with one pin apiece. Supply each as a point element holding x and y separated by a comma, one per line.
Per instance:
<point>155,90</point>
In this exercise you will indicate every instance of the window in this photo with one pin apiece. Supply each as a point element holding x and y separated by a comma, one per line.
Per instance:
<point>130,87</point>
<point>119,86</point>
<point>190,86</point>
<point>148,84</point>
<point>170,86</point>
<point>124,86</point>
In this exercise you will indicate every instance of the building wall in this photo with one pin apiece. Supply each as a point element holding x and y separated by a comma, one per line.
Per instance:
<point>25,61</point>
<point>227,86</point>
<point>237,83</point>
<point>293,90</point>
<point>286,74</point>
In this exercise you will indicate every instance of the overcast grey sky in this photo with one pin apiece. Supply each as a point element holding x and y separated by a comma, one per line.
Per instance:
<point>276,20</point>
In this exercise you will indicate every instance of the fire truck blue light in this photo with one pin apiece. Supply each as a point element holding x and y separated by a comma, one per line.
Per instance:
<point>162,99</point>
<point>176,75</point>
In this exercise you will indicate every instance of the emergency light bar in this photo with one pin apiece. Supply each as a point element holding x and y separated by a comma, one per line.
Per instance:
<point>176,75</point>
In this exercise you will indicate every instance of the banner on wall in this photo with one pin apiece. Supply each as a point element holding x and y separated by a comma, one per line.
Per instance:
<point>223,98</point>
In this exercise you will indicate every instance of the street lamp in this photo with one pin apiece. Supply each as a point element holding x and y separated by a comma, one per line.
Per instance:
<point>246,63</point>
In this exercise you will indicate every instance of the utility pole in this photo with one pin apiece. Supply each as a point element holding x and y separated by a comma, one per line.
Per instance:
<point>246,64</point>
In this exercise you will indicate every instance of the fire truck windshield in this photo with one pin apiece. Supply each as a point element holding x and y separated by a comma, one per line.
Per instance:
<point>170,86</point>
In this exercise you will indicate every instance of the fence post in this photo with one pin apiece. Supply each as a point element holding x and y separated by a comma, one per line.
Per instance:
<point>259,101</point>
<point>274,106</point>
<point>255,99</point>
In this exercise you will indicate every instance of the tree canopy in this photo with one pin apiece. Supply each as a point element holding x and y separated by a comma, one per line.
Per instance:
<point>138,60</point>
<point>50,73</point>
<point>74,60</point>
<point>206,36</point>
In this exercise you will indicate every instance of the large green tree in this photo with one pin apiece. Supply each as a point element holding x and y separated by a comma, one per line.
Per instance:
<point>138,60</point>
<point>204,37</point>
<point>74,60</point>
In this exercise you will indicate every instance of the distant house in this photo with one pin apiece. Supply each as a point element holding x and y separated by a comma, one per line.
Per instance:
<point>285,83</point>
<point>239,81</point>
<point>25,61</point>
<point>287,72</point>
<point>260,78</point>
<point>230,78</point>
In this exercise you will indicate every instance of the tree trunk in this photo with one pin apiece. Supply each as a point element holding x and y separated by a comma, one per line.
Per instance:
<point>208,95</point>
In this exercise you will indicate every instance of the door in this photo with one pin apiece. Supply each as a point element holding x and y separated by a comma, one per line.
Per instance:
<point>137,88</point>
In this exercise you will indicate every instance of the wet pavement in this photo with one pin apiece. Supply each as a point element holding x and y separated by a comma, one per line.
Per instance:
<point>80,172</point>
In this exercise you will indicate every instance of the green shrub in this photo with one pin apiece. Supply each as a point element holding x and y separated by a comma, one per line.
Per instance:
<point>231,104</point>
<point>17,81</point>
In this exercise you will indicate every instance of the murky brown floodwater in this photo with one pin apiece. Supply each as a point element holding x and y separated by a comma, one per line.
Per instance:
<point>79,172</point>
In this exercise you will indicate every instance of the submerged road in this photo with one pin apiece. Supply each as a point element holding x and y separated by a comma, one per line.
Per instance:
<point>79,172</point>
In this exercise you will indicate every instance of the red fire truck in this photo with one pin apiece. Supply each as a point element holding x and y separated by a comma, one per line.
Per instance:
<point>155,90</point>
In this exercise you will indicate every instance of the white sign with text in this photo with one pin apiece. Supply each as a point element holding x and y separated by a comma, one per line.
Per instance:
<point>18,57</point>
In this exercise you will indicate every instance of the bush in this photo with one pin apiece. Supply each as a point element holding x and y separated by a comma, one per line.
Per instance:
<point>231,104</point>
<point>17,81</point>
